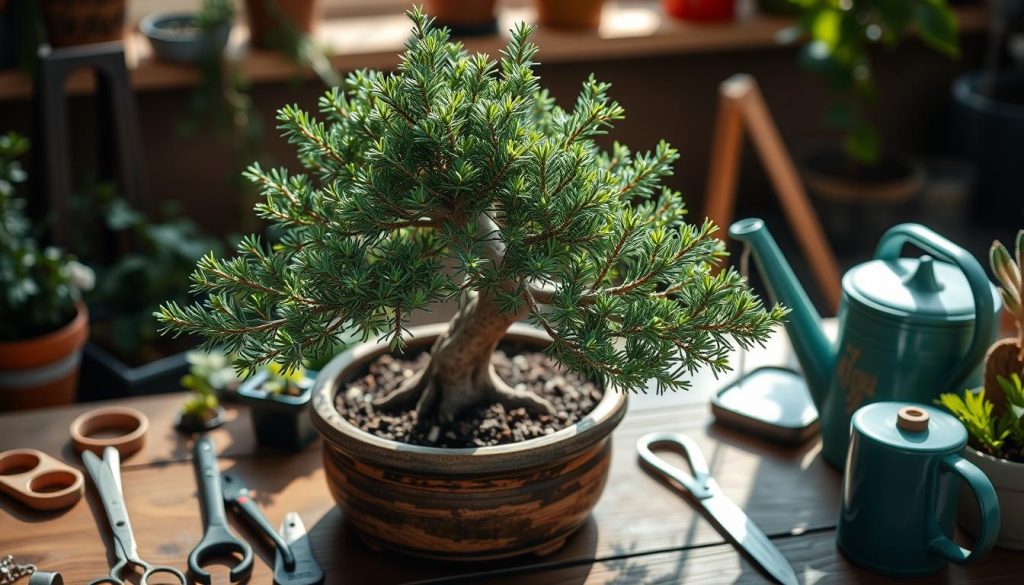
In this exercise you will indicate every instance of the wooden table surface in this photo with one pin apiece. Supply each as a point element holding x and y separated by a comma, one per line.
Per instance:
<point>640,532</point>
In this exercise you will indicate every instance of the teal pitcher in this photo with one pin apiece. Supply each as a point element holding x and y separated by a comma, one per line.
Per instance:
<point>909,328</point>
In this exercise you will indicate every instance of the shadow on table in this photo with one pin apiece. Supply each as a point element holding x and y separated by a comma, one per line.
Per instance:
<point>347,559</point>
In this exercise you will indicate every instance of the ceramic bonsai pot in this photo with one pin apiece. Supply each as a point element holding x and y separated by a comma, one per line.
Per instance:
<point>462,504</point>
<point>279,420</point>
<point>176,37</point>
<point>464,17</point>
<point>579,14</point>
<point>80,22</point>
<point>1008,479</point>
<point>701,10</point>
<point>43,371</point>
<point>269,19</point>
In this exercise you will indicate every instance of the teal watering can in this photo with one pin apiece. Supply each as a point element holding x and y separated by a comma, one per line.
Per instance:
<point>909,328</point>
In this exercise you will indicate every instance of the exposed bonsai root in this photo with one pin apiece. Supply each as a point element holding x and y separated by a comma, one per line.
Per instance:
<point>513,398</point>
<point>406,394</point>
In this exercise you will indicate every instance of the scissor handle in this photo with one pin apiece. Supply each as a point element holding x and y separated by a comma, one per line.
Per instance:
<point>162,570</point>
<point>696,484</point>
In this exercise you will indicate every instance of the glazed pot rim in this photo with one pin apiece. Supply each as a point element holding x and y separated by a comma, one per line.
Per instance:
<point>342,434</point>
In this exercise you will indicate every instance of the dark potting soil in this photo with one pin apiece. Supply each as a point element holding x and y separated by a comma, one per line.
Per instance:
<point>572,396</point>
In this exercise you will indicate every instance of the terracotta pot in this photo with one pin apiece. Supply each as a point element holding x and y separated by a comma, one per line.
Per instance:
<point>701,10</point>
<point>81,22</point>
<point>270,19</point>
<point>462,504</point>
<point>464,17</point>
<point>43,371</point>
<point>1002,359</point>
<point>1008,479</point>
<point>570,13</point>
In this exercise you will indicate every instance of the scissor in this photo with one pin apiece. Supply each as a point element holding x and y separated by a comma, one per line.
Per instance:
<point>106,475</point>
<point>726,516</point>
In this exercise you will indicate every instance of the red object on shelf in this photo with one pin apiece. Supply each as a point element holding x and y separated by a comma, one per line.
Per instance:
<point>701,10</point>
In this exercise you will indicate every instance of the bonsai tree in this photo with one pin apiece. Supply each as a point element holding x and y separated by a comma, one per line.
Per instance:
<point>998,434</point>
<point>1006,357</point>
<point>839,37</point>
<point>457,178</point>
<point>40,285</point>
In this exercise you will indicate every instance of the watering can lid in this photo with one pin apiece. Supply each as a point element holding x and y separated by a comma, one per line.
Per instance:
<point>914,289</point>
<point>881,422</point>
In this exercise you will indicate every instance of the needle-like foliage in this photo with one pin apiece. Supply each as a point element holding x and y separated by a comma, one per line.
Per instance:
<point>458,178</point>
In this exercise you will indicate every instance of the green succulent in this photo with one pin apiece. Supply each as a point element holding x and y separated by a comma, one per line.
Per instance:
<point>1001,435</point>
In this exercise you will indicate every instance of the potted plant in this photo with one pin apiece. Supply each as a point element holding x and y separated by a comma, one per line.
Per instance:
<point>80,22</point>
<point>278,402</point>
<point>183,37</point>
<point>989,121</point>
<point>1006,356</point>
<point>570,14</point>
<point>996,446</point>
<point>44,324</point>
<point>457,178</point>
<point>839,40</point>
<point>464,17</point>
<point>210,376</point>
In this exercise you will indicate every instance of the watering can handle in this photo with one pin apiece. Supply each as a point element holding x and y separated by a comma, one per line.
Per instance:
<point>889,248</point>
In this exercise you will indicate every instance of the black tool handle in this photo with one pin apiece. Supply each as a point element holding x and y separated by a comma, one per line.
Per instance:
<point>209,483</point>
<point>250,510</point>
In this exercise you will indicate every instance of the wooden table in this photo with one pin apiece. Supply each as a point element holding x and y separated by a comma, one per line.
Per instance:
<point>639,533</point>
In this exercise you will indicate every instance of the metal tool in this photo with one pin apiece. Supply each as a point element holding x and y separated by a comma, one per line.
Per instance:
<point>294,564</point>
<point>727,517</point>
<point>106,475</point>
<point>45,578</point>
<point>218,541</point>
<point>307,571</point>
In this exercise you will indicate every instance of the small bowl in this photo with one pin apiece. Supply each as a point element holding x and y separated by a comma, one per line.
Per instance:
<point>176,37</point>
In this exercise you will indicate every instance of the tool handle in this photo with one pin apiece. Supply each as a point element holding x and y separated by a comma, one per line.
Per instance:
<point>248,508</point>
<point>208,476</point>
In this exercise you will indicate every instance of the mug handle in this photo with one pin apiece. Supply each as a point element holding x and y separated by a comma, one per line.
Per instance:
<point>988,505</point>
<point>889,248</point>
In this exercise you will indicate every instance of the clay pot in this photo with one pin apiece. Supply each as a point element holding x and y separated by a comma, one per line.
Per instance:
<point>701,10</point>
<point>464,17</point>
<point>579,14</point>
<point>43,371</point>
<point>81,22</point>
<point>1002,359</point>
<point>1008,479</point>
<point>270,20</point>
<point>462,504</point>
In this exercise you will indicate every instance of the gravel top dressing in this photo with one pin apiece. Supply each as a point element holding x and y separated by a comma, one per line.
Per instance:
<point>486,425</point>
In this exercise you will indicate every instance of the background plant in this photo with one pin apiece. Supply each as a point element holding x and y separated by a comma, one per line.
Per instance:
<point>210,375</point>
<point>40,285</point>
<point>460,160</point>
<point>1000,435</point>
<point>839,36</point>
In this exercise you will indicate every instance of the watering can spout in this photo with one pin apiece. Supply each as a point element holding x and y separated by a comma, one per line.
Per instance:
<point>803,324</point>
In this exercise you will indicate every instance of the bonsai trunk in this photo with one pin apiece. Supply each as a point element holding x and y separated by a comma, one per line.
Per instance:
<point>460,374</point>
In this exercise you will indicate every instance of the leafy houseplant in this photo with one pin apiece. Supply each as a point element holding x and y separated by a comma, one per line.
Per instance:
<point>840,36</point>
<point>997,447</point>
<point>190,38</point>
<point>44,324</point>
<point>458,179</point>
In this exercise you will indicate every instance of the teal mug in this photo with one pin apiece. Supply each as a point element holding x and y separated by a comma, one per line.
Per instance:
<point>899,491</point>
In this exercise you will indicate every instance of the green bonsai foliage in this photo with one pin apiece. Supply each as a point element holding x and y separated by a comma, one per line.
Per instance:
<point>39,286</point>
<point>457,178</point>
<point>840,34</point>
<point>998,435</point>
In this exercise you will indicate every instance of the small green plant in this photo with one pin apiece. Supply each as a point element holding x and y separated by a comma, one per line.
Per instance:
<point>457,178</point>
<point>1000,435</point>
<point>213,13</point>
<point>281,381</point>
<point>1007,270</point>
<point>39,286</point>
<point>839,36</point>
<point>210,375</point>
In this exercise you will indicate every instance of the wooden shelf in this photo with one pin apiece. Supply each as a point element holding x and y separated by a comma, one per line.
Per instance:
<point>629,30</point>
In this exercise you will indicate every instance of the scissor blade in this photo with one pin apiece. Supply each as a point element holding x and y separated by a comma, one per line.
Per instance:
<point>733,523</point>
<point>307,571</point>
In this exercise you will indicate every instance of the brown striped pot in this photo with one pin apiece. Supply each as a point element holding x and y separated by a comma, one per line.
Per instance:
<point>462,504</point>
<point>43,371</point>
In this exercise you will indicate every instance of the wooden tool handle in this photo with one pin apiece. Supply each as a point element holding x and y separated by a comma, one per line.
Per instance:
<point>38,480</point>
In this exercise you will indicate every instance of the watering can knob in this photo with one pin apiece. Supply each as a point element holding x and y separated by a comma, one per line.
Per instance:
<point>923,279</point>
<point>912,419</point>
